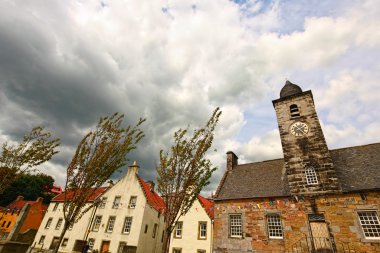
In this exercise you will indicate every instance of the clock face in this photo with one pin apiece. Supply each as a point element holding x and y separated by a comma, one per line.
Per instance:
<point>299,128</point>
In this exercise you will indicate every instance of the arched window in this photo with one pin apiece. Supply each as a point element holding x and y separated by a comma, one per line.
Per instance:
<point>294,112</point>
<point>311,176</point>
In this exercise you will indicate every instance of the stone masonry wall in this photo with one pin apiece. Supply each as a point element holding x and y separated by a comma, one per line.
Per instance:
<point>340,213</point>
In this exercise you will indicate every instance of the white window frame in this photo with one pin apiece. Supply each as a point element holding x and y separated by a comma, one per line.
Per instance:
<point>64,242</point>
<point>91,243</point>
<point>127,225</point>
<point>370,224</point>
<point>116,202</point>
<point>178,229</point>
<point>97,223</point>
<point>235,224</point>
<point>42,239</point>
<point>311,176</point>
<point>274,226</point>
<point>103,202</point>
<point>48,223</point>
<point>202,229</point>
<point>111,224</point>
<point>132,202</point>
<point>59,223</point>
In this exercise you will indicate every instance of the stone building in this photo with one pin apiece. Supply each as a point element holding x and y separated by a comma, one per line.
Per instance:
<point>311,200</point>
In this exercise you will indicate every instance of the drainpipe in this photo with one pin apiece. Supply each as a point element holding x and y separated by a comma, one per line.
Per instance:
<point>96,204</point>
<point>212,235</point>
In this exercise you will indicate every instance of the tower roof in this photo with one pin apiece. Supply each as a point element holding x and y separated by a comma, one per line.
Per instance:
<point>290,89</point>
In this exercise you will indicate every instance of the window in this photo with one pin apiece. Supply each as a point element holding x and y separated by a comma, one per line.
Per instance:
<point>122,247</point>
<point>42,239</point>
<point>4,223</point>
<point>97,221</point>
<point>162,237</point>
<point>103,203</point>
<point>9,223</point>
<point>132,202</point>
<point>154,230</point>
<point>64,242</point>
<point>177,250</point>
<point>201,251</point>
<point>111,223</point>
<point>311,176</point>
<point>370,224</point>
<point>202,230</point>
<point>55,207</point>
<point>48,223</point>
<point>146,229</point>
<point>178,229</point>
<point>127,225</point>
<point>274,227</point>
<point>91,243</point>
<point>59,223</point>
<point>294,112</point>
<point>236,228</point>
<point>116,202</point>
<point>71,226</point>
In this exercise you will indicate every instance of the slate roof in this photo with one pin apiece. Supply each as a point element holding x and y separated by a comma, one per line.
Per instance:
<point>357,168</point>
<point>97,193</point>
<point>151,196</point>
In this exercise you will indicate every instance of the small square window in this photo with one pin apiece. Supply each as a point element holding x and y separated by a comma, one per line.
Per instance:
<point>64,242</point>
<point>177,250</point>
<point>97,222</point>
<point>48,223</point>
<point>116,202</point>
<point>111,224</point>
<point>274,227</point>
<point>236,226</point>
<point>59,223</point>
<point>127,225</point>
<point>42,239</point>
<point>132,202</point>
<point>201,251</point>
<point>103,203</point>
<point>369,221</point>
<point>178,229</point>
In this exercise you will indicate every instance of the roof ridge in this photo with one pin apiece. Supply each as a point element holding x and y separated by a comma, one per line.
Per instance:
<point>357,146</point>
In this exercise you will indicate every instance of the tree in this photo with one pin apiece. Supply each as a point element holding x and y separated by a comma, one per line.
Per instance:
<point>100,153</point>
<point>183,172</point>
<point>30,187</point>
<point>36,148</point>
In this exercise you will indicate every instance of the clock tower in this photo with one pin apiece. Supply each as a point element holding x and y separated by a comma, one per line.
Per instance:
<point>308,163</point>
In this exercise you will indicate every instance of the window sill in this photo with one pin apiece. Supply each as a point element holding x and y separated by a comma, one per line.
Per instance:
<point>375,240</point>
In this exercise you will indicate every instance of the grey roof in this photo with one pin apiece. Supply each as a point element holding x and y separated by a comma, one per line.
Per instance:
<point>357,168</point>
<point>290,89</point>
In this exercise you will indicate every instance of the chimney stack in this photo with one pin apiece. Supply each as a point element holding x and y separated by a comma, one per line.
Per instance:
<point>19,198</point>
<point>232,160</point>
<point>133,168</point>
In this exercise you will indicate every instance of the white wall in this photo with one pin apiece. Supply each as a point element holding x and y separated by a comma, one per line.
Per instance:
<point>190,243</point>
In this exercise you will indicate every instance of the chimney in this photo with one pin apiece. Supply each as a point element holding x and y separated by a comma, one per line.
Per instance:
<point>232,160</point>
<point>19,198</point>
<point>151,185</point>
<point>39,200</point>
<point>110,183</point>
<point>133,168</point>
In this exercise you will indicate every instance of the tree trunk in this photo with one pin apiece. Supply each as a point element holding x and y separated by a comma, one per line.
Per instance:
<point>64,229</point>
<point>166,242</point>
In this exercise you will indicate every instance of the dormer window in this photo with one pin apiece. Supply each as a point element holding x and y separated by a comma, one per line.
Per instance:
<point>311,176</point>
<point>294,111</point>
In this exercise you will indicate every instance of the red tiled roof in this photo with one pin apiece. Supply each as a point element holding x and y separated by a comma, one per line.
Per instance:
<point>151,196</point>
<point>208,205</point>
<point>97,193</point>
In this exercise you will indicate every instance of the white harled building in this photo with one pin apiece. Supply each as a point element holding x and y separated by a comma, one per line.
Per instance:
<point>128,220</point>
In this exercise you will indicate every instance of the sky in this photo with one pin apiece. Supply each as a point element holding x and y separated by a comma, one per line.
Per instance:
<point>64,64</point>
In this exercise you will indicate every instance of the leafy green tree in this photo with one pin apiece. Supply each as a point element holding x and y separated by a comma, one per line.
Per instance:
<point>36,148</point>
<point>100,153</point>
<point>183,172</point>
<point>30,187</point>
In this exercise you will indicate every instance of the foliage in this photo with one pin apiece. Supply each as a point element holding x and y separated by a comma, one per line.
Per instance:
<point>183,172</point>
<point>36,148</point>
<point>30,187</point>
<point>100,153</point>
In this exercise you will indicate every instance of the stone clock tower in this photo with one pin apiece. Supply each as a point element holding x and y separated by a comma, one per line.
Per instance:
<point>307,159</point>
